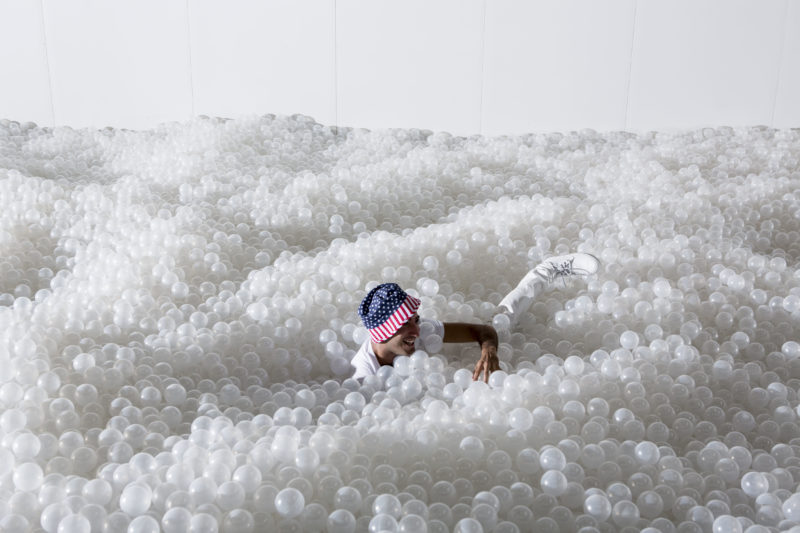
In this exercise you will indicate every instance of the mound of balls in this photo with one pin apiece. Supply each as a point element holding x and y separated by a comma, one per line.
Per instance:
<point>178,308</point>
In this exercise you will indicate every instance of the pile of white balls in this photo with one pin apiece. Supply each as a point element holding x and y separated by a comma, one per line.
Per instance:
<point>178,311</point>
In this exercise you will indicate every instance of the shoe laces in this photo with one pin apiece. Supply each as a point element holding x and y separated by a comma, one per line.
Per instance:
<point>552,270</point>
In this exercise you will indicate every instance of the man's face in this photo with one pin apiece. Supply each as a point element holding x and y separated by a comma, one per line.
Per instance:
<point>402,342</point>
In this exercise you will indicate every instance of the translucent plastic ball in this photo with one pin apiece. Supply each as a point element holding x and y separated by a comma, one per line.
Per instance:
<point>598,507</point>
<point>429,287</point>
<point>501,323</point>
<point>135,499</point>
<point>791,508</point>
<point>28,476</point>
<point>507,527</point>
<point>264,498</point>
<point>144,524</point>
<point>26,446</point>
<point>14,522</point>
<point>430,262</point>
<point>468,525</point>
<point>348,498</point>
<point>574,365</point>
<point>520,418</point>
<point>462,378</point>
<point>238,521</point>
<point>175,394</point>
<point>97,491</point>
<point>527,461</point>
<point>754,484</point>
<point>554,483</point>
<point>625,513</point>
<point>629,340</point>
<point>412,388</point>
<point>289,502</point>
<point>118,521</point>
<point>412,523</point>
<point>382,522</point>
<point>552,458</point>
<point>74,523</point>
<point>387,504</point>
<point>96,515</point>
<point>471,447</point>
<point>203,522</point>
<point>726,524</point>
<point>647,453</point>
<point>650,504</point>
<point>355,401</point>
<point>176,519</point>
<point>341,521</point>
<point>248,476</point>
<point>203,490</point>
<point>485,514</point>
<point>52,516</point>
<point>230,495</point>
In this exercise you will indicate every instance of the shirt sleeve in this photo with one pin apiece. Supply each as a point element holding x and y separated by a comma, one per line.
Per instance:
<point>364,363</point>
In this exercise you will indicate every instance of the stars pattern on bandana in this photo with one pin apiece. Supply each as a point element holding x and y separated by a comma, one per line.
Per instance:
<point>385,309</point>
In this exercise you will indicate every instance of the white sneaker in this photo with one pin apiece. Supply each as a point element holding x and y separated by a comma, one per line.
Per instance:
<point>565,266</point>
<point>543,275</point>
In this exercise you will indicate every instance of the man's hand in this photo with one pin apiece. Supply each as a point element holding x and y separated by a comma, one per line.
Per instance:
<point>488,362</point>
<point>485,336</point>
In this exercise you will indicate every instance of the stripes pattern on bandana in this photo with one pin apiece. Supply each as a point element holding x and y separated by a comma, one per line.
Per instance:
<point>385,309</point>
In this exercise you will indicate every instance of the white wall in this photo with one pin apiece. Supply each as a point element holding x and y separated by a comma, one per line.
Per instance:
<point>464,66</point>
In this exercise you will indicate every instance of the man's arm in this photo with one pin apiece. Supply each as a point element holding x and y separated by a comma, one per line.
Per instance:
<point>485,336</point>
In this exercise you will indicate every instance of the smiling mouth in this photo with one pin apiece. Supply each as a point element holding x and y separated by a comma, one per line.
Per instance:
<point>409,343</point>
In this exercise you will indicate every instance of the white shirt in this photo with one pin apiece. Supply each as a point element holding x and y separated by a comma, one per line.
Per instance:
<point>366,363</point>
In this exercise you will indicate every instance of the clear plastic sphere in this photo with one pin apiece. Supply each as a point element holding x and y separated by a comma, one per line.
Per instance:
<point>135,499</point>
<point>289,502</point>
<point>387,504</point>
<point>554,483</point>
<point>28,476</point>
<point>144,524</point>
<point>341,521</point>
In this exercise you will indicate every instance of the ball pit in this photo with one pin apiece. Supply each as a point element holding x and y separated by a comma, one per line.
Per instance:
<point>178,309</point>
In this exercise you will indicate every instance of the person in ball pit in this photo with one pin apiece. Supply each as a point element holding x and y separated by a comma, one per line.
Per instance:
<point>395,328</point>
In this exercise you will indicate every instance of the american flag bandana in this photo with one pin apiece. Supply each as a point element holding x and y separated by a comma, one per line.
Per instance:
<point>385,309</point>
